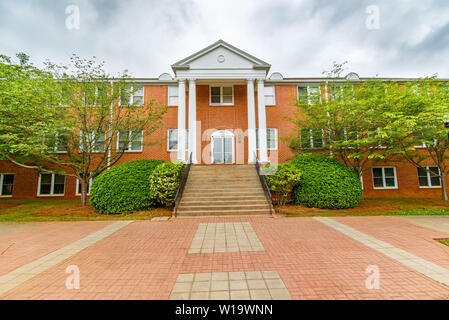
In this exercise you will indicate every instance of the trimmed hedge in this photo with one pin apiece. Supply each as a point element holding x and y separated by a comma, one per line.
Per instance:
<point>124,188</point>
<point>282,182</point>
<point>164,182</point>
<point>326,183</point>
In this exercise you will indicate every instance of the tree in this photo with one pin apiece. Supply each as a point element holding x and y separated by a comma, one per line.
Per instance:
<point>418,125</point>
<point>344,122</point>
<point>86,122</point>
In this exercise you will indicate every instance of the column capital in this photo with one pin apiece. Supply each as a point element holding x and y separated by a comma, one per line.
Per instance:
<point>260,80</point>
<point>191,79</point>
<point>181,79</point>
<point>250,80</point>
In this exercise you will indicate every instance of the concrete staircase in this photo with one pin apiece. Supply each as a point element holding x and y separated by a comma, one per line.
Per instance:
<point>223,190</point>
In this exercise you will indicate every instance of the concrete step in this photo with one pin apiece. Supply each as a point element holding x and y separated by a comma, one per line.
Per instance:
<point>223,191</point>
<point>225,186</point>
<point>220,197</point>
<point>228,207</point>
<point>214,202</point>
<point>212,194</point>
<point>224,212</point>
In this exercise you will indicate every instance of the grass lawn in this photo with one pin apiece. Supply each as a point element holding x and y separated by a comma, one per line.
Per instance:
<point>375,207</point>
<point>63,210</point>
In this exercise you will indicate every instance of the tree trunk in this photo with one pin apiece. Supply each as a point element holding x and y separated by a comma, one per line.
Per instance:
<point>83,191</point>
<point>443,185</point>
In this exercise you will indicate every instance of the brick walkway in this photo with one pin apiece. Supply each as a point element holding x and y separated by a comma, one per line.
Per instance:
<point>144,259</point>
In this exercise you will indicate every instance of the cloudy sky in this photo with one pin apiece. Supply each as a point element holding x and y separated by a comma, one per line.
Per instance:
<point>408,38</point>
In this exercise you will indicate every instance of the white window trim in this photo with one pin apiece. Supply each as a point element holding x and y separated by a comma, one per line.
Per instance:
<point>221,95</point>
<point>1,185</point>
<point>52,187</point>
<point>312,147</point>
<point>274,95</point>
<point>56,147</point>
<point>130,142</point>
<point>131,96</point>
<point>77,186</point>
<point>96,97</point>
<point>168,96</point>
<point>383,178</point>
<point>429,180</point>
<point>168,140</point>
<point>276,141</point>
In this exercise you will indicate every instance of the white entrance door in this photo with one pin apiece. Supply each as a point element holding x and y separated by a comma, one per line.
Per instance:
<point>223,147</point>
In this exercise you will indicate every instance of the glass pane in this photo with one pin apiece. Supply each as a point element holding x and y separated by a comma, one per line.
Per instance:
<point>218,150</point>
<point>215,91</point>
<point>423,182</point>
<point>59,179</point>
<point>228,157</point>
<point>435,181</point>
<point>305,139</point>
<point>8,184</point>
<point>172,140</point>
<point>227,91</point>
<point>100,143</point>
<point>136,144</point>
<point>215,99</point>
<point>123,140</point>
<point>422,172</point>
<point>45,187</point>
<point>302,95</point>
<point>377,172</point>
<point>314,94</point>
<point>173,101</point>
<point>46,179</point>
<point>390,182</point>
<point>228,145</point>
<point>138,100</point>
<point>378,182</point>
<point>227,99</point>
<point>317,138</point>
<point>58,188</point>
<point>269,90</point>
<point>269,100</point>
<point>173,91</point>
<point>138,90</point>
<point>389,172</point>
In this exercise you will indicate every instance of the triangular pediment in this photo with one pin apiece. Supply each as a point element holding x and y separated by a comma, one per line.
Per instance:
<point>220,55</point>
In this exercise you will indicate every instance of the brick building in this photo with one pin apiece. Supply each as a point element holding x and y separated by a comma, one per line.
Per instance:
<point>220,102</point>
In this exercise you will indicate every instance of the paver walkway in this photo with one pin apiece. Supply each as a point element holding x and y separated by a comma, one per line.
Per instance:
<point>146,259</point>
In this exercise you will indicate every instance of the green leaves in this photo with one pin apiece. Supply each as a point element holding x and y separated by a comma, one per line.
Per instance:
<point>164,182</point>
<point>283,182</point>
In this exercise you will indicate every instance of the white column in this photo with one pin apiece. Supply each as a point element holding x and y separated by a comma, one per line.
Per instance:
<point>251,122</point>
<point>192,119</point>
<point>262,121</point>
<point>181,120</point>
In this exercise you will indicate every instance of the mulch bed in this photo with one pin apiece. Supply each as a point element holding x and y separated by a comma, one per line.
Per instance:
<point>77,210</point>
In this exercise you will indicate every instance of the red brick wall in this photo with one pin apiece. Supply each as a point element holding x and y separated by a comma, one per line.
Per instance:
<point>233,118</point>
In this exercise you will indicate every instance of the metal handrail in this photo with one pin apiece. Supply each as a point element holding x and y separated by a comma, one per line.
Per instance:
<point>182,185</point>
<point>263,181</point>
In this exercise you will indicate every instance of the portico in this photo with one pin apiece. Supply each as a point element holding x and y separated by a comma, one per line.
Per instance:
<point>225,70</point>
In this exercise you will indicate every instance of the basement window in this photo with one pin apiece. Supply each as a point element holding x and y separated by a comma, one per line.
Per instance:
<point>429,177</point>
<point>6,184</point>
<point>51,184</point>
<point>384,178</point>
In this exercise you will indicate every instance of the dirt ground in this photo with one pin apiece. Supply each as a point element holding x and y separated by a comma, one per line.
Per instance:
<point>76,210</point>
<point>369,206</point>
<point>7,205</point>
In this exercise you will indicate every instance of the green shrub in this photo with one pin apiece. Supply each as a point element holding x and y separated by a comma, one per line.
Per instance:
<point>283,182</point>
<point>326,183</point>
<point>124,188</point>
<point>164,182</point>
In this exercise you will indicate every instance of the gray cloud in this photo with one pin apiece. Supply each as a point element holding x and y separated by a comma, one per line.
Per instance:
<point>299,38</point>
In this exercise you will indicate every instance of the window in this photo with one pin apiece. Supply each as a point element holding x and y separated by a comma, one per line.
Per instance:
<point>96,139</point>
<point>223,95</point>
<point>309,94</point>
<point>418,137</point>
<point>271,139</point>
<point>270,99</point>
<point>57,143</point>
<point>51,184</point>
<point>130,140</point>
<point>172,139</point>
<point>312,138</point>
<point>133,96</point>
<point>96,95</point>
<point>384,178</point>
<point>336,92</point>
<point>78,187</point>
<point>172,95</point>
<point>6,184</point>
<point>429,177</point>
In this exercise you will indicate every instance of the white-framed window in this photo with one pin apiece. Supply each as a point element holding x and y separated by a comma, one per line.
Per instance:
<point>272,139</point>
<point>132,139</point>
<point>312,138</point>
<point>96,138</point>
<point>78,187</point>
<point>419,137</point>
<point>384,178</point>
<point>133,96</point>
<point>269,94</point>
<point>172,139</point>
<point>429,177</point>
<point>6,184</point>
<point>173,93</point>
<point>57,143</point>
<point>309,94</point>
<point>221,95</point>
<point>336,92</point>
<point>51,184</point>
<point>95,97</point>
